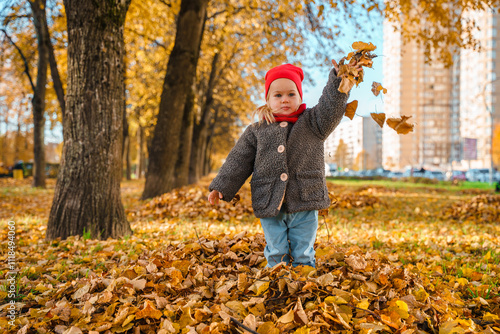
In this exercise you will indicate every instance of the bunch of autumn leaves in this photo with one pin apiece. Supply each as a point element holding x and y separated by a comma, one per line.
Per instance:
<point>351,76</point>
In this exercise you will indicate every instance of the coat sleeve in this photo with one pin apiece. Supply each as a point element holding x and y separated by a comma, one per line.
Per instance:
<point>327,114</point>
<point>237,167</point>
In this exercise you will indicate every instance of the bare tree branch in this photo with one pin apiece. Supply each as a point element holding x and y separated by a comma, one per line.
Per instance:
<point>26,67</point>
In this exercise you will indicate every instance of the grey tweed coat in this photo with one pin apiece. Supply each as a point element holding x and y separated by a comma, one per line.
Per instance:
<point>288,165</point>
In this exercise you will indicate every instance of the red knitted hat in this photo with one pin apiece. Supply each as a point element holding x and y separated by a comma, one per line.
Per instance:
<point>287,71</point>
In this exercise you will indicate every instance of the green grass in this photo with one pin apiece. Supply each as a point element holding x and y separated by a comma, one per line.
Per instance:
<point>402,184</point>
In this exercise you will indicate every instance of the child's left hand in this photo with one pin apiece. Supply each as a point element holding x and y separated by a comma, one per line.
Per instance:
<point>214,197</point>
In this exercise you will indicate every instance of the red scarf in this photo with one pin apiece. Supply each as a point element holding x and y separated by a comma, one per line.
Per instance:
<point>292,118</point>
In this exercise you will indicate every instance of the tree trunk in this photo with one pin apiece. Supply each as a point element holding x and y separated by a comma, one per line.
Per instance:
<point>200,130</point>
<point>40,20</point>
<point>126,158</point>
<point>54,73</point>
<point>87,195</point>
<point>140,151</point>
<point>186,137</point>
<point>181,72</point>
<point>17,138</point>
<point>126,140</point>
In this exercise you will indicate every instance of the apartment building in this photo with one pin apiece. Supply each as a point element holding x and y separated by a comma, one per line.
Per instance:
<point>480,91</point>
<point>361,146</point>
<point>451,106</point>
<point>421,90</point>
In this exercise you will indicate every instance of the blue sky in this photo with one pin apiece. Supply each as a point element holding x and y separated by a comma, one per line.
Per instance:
<point>367,102</point>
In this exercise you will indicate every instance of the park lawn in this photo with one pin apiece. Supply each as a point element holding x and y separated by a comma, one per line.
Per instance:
<point>390,257</point>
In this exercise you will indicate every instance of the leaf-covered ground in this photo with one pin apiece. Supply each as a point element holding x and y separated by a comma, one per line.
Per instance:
<point>405,259</point>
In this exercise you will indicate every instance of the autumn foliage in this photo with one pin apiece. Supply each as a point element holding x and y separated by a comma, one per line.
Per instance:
<point>389,260</point>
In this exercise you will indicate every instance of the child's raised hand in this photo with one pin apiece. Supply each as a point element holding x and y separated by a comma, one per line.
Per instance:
<point>335,65</point>
<point>214,197</point>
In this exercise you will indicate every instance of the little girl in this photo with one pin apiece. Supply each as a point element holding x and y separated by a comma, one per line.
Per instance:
<point>284,154</point>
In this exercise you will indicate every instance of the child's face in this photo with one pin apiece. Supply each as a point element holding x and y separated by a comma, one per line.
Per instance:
<point>283,96</point>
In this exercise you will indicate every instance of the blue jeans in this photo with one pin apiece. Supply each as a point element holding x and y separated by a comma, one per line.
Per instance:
<point>290,238</point>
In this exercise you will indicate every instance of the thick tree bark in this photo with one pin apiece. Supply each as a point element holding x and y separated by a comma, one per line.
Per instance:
<point>38,102</point>
<point>181,72</point>
<point>87,194</point>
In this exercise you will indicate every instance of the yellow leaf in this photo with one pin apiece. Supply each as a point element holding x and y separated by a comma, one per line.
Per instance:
<point>237,308</point>
<point>128,320</point>
<point>350,109</point>
<point>122,329</point>
<point>490,317</point>
<point>302,330</point>
<point>268,328</point>
<point>402,309</point>
<point>259,287</point>
<point>335,300</point>
<point>364,304</point>
<point>451,327</point>
<point>421,295</point>
<point>186,319</point>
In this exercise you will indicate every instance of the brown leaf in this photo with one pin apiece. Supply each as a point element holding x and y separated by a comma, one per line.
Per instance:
<point>356,262</point>
<point>300,315</point>
<point>400,125</point>
<point>350,109</point>
<point>377,88</point>
<point>379,118</point>
<point>361,46</point>
<point>149,311</point>
<point>346,84</point>
<point>288,317</point>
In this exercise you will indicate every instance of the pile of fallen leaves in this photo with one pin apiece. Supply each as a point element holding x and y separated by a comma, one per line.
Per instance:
<point>352,200</point>
<point>191,201</point>
<point>216,285</point>
<point>399,266</point>
<point>13,200</point>
<point>481,208</point>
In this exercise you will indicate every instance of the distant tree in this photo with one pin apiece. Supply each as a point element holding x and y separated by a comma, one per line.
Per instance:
<point>180,76</point>
<point>342,155</point>
<point>87,194</point>
<point>496,146</point>
<point>45,58</point>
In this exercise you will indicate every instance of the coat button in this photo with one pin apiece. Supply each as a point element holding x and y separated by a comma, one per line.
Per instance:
<point>281,148</point>
<point>284,177</point>
<point>283,124</point>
